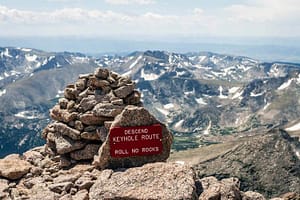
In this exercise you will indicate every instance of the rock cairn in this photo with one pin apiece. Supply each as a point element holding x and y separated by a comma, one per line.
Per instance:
<point>82,118</point>
<point>90,108</point>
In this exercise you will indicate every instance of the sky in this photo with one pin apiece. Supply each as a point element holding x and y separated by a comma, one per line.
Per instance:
<point>264,29</point>
<point>150,18</point>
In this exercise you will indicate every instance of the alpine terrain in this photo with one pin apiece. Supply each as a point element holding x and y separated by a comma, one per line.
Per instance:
<point>203,97</point>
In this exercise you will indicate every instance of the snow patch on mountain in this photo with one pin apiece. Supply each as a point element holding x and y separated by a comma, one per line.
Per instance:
<point>295,127</point>
<point>27,114</point>
<point>22,142</point>
<point>26,49</point>
<point>266,106</point>
<point>200,101</point>
<point>207,130</point>
<point>6,53</point>
<point>2,92</point>
<point>256,95</point>
<point>169,106</point>
<point>285,85</point>
<point>233,90</point>
<point>127,73</point>
<point>30,58</point>
<point>82,60</point>
<point>135,62</point>
<point>149,77</point>
<point>221,95</point>
<point>298,79</point>
<point>163,111</point>
<point>238,95</point>
<point>179,124</point>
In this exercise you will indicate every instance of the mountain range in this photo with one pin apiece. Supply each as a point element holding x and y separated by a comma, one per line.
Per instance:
<point>203,97</point>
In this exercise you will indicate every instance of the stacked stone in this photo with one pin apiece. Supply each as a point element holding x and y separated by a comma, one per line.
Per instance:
<point>83,117</point>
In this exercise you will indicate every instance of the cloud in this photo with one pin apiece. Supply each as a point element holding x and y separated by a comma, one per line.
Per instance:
<point>261,11</point>
<point>127,2</point>
<point>257,18</point>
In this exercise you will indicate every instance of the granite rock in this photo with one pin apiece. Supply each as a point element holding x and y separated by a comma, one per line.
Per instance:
<point>156,181</point>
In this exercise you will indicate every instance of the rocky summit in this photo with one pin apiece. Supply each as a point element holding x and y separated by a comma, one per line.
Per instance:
<point>85,116</point>
<point>78,161</point>
<point>41,177</point>
<point>268,163</point>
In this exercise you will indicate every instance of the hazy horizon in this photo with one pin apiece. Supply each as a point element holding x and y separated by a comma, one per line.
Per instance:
<point>262,29</point>
<point>286,50</point>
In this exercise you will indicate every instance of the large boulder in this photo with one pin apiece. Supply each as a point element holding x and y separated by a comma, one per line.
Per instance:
<point>226,189</point>
<point>13,167</point>
<point>156,181</point>
<point>133,116</point>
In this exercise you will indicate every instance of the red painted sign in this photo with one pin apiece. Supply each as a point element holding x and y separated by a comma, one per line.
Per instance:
<point>135,141</point>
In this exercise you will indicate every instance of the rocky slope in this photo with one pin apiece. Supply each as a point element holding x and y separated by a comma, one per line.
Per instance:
<point>36,175</point>
<point>199,95</point>
<point>268,163</point>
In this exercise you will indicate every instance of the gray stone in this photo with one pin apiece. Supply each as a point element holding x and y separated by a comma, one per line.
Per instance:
<point>133,116</point>
<point>87,153</point>
<point>90,136</point>
<point>117,101</point>
<point>81,195</point>
<point>107,124</point>
<point>84,182</point>
<point>107,110</point>
<point>88,103</point>
<point>62,115</point>
<point>78,125</point>
<point>64,161</point>
<point>65,145</point>
<point>71,93</point>
<point>13,167</point>
<point>133,99</point>
<point>33,157</point>
<point>124,91</point>
<point>156,181</point>
<point>226,189</point>
<point>61,187</point>
<point>90,128</point>
<point>63,129</point>
<point>102,133</point>
<point>71,105</point>
<point>84,76</point>
<point>81,84</point>
<point>250,195</point>
<point>101,73</point>
<point>63,102</point>
<point>98,83</point>
<point>3,185</point>
<point>84,93</point>
<point>91,119</point>
<point>124,81</point>
<point>67,178</point>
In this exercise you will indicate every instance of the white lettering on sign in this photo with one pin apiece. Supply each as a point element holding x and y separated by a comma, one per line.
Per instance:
<point>128,138</point>
<point>136,141</point>
<point>136,131</point>
<point>136,150</point>
<point>150,149</point>
<point>150,137</point>
<point>121,152</point>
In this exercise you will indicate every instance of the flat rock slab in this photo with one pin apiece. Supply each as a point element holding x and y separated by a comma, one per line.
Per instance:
<point>133,116</point>
<point>156,181</point>
<point>12,167</point>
